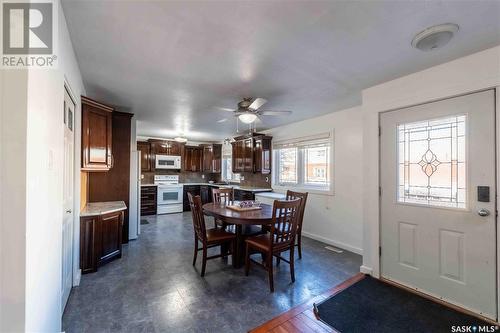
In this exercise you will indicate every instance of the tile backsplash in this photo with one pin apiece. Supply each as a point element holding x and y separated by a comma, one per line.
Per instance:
<point>184,177</point>
<point>250,179</point>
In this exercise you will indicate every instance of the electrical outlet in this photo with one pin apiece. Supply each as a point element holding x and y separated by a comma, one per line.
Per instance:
<point>242,178</point>
<point>202,176</point>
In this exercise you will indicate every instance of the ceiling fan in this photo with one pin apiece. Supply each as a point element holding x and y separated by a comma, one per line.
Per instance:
<point>249,110</point>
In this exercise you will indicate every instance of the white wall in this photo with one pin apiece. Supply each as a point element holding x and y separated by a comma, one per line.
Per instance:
<point>39,158</point>
<point>468,74</point>
<point>336,219</point>
<point>13,113</point>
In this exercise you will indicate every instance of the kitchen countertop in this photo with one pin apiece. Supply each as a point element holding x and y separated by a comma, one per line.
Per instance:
<point>101,208</point>
<point>272,195</point>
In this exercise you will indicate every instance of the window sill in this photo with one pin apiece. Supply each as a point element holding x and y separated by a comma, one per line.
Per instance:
<point>312,190</point>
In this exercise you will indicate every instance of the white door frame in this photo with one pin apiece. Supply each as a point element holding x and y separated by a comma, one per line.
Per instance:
<point>76,187</point>
<point>377,271</point>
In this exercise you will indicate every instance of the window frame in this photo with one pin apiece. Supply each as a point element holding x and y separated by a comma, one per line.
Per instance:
<point>301,185</point>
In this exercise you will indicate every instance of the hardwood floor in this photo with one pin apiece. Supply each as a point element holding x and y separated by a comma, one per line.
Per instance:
<point>301,319</point>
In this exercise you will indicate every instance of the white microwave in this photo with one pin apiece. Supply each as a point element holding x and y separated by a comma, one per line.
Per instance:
<point>168,162</point>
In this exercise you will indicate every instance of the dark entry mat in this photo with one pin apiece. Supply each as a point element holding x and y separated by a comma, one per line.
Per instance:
<point>374,306</point>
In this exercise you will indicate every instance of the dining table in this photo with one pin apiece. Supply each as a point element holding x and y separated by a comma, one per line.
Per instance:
<point>245,222</point>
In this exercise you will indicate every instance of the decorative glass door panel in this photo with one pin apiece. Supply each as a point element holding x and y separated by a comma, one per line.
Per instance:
<point>432,163</point>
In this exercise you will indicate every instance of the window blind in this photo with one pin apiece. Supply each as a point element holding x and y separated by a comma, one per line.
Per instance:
<point>305,141</point>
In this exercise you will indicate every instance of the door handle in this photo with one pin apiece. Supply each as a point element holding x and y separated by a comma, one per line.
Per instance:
<point>483,212</point>
<point>68,211</point>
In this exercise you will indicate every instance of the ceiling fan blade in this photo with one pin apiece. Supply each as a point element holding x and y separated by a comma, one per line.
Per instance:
<point>226,109</point>
<point>257,103</point>
<point>274,113</point>
<point>222,120</point>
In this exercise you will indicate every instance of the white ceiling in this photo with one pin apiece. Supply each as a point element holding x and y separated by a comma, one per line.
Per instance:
<point>173,64</point>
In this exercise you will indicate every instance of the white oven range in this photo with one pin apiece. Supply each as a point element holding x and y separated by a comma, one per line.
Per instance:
<point>169,194</point>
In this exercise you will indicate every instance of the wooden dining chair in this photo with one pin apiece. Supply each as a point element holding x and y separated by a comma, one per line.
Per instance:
<point>281,238</point>
<point>290,195</point>
<point>208,238</point>
<point>222,196</point>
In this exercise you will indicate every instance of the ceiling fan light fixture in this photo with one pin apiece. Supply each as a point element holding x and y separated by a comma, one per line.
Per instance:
<point>181,139</point>
<point>247,118</point>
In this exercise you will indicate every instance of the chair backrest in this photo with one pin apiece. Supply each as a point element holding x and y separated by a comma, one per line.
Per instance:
<point>222,195</point>
<point>290,195</point>
<point>198,218</point>
<point>285,222</point>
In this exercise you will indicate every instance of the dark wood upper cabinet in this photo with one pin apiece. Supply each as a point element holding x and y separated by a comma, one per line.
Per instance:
<point>192,160</point>
<point>248,155</point>
<point>237,156</point>
<point>145,149</point>
<point>262,154</point>
<point>166,147</point>
<point>97,128</point>
<point>252,153</point>
<point>212,158</point>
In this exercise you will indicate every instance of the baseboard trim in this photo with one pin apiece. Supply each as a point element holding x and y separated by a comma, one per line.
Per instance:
<point>328,241</point>
<point>77,278</point>
<point>366,270</point>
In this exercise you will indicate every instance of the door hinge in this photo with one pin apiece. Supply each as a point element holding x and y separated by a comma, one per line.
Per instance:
<point>380,191</point>
<point>380,251</point>
<point>380,131</point>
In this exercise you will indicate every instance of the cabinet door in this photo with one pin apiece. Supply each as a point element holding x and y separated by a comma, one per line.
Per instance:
<point>194,190</point>
<point>197,160</point>
<point>262,155</point>
<point>186,161</point>
<point>96,138</point>
<point>248,155</point>
<point>266,156</point>
<point>216,158</point>
<point>238,156</point>
<point>88,244</point>
<point>175,148</point>
<point>205,194</point>
<point>145,150</point>
<point>111,234</point>
<point>207,158</point>
<point>257,155</point>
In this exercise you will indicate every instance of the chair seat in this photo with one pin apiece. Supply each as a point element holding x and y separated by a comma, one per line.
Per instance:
<point>262,243</point>
<point>217,235</point>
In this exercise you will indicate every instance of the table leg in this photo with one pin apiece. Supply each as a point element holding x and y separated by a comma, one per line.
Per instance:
<point>239,247</point>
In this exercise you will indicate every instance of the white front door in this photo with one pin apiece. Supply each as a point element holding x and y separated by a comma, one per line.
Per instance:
<point>438,232</point>
<point>68,179</point>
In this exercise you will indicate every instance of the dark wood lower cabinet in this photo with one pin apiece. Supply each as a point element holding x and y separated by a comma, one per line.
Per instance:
<point>194,190</point>
<point>148,200</point>
<point>100,240</point>
<point>242,195</point>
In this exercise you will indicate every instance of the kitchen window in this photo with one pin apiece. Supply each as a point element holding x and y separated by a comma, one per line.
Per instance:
<point>304,163</point>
